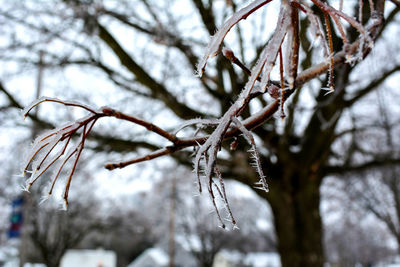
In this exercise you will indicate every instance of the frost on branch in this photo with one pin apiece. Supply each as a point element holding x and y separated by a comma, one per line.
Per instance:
<point>57,146</point>
<point>216,41</point>
<point>259,81</point>
<point>52,145</point>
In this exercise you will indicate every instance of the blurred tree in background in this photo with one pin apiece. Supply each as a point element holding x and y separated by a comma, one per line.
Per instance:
<point>139,57</point>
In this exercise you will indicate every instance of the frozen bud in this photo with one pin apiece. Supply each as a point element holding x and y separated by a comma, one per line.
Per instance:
<point>108,111</point>
<point>274,91</point>
<point>228,54</point>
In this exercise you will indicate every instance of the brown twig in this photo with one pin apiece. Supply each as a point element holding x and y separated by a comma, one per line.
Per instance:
<point>340,28</point>
<point>149,126</point>
<point>330,41</point>
<point>47,142</point>
<point>231,57</point>
<point>294,50</point>
<point>282,94</point>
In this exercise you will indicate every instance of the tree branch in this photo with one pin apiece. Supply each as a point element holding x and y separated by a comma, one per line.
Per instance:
<point>207,16</point>
<point>169,38</point>
<point>372,85</point>
<point>376,163</point>
<point>158,90</point>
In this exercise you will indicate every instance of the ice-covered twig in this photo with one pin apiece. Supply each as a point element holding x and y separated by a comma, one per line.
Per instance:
<point>281,93</point>
<point>257,161</point>
<point>42,157</point>
<point>37,102</point>
<point>341,30</point>
<point>268,56</point>
<point>326,8</point>
<point>197,122</point>
<point>78,152</point>
<point>292,45</point>
<point>216,40</point>
<point>210,183</point>
<point>224,197</point>
<point>213,143</point>
<point>228,53</point>
<point>316,27</point>
<point>330,41</point>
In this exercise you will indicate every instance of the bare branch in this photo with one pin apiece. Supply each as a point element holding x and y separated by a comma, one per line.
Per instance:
<point>217,39</point>
<point>379,162</point>
<point>158,90</point>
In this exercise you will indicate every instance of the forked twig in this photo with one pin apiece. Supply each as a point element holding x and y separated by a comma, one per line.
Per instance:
<point>42,157</point>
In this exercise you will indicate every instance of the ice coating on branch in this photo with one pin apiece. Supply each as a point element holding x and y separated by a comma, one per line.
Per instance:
<point>40,142</point>
<point>37,102</point>
<point>25,111</point>
<point>254,154</point>
<point>42,154</point>
<point>49,148</point>
<point>46,142</point>
<point>352,21</point>
<point>206,155</point>
<point>217,39</point>
<point>51,143</point>
<point>316,28</point>
<point>209,150</point>
<point>42,99</point>
<point>197,122</point>
<point>268,56</point>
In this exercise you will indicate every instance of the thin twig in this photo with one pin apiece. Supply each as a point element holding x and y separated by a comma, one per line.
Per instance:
<point>231,56</point>
<point>330,41</point>
<point>149,126</point>
<point>282,96</point>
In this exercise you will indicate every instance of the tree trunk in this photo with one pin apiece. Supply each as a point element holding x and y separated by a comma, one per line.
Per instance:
<point>294,199</point>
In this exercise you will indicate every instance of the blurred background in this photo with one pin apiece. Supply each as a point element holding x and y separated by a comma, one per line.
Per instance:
<point>333,164</point>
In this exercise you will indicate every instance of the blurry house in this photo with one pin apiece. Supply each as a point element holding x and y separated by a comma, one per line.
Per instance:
<point>263,259</point>
<point>15,263</point>
<point>227,258</point>
<point>152,257</point>
<point>89,258</point>
<point>391,262</point>
<point>158,257</point>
